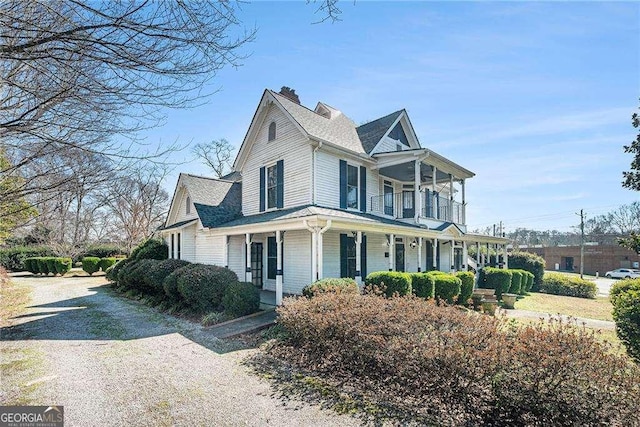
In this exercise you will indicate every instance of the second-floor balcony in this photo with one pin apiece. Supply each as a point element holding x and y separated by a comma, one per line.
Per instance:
<point>432,205</point>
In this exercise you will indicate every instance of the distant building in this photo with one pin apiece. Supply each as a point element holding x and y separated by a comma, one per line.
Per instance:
<point>597,258</point>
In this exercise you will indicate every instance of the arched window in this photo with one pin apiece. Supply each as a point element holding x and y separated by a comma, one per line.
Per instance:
<point>272,131</point>
<point>188,204</point>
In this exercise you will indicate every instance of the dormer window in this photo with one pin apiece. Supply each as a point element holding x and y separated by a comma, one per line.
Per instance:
<point>188,205</point>
<point>272,131</point>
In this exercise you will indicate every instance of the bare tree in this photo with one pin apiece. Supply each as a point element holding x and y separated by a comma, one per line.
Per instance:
<point>216,155</point>
<point>138,204</point>
<point>74,74</point>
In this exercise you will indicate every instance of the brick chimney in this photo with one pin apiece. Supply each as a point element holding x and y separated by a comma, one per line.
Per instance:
<point>289,93</point>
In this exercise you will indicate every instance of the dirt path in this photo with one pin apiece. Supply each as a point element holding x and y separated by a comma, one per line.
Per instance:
<point>114,362</point>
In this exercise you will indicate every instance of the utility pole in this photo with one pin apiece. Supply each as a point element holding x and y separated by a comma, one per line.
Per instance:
<point>581,243</point>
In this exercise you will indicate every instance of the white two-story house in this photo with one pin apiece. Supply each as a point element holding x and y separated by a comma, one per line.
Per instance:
<point>312,195</point>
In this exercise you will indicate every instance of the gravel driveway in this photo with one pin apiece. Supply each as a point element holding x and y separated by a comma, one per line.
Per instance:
<point>114,362</point>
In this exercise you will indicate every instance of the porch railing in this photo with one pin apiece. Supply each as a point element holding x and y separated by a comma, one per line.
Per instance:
<point>402,206</point>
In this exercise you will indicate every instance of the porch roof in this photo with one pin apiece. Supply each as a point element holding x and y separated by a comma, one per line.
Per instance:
<point>343,219</point>
<point>178,224</point>
<point>399,165</point>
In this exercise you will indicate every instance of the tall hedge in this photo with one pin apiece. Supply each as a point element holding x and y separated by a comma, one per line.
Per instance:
<point>151,249</point>
<point>625,297</point>
<point>467,280</point>
<point>391,282</point>
<point>498,279</point>
<point>202,286</point>
<point>532,263</point>
<point>447,286</point>
<point>13,258</point>
<point>516,281</point>
<point>47,265</point>
<point>423,285</point>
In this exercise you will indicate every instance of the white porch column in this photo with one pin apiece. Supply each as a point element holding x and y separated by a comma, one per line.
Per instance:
<point>247,274</point>
<point>478,256</point>
<point>419,254</point>
<point>320,254</point>
<point>435,255</point>
<point>225,251</point>
<point>451,198</point>
<point>488,259</point>
<point>464,204</point>
<point>279,267</point>
<point>506,257</point>
<point>392,251</point>
<point>358,252</point>
<point>416,190</point>
<point>435,206</point>
<point>453,256</point>
<point>465,257</point>
<point>314,255</point>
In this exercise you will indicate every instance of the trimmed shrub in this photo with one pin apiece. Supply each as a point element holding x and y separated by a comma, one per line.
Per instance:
<point>13,259</point>
<point>467,280</point>
<point>133,275</point>
<point>446,286</point>
<point>151,249</point>
<point>516,281</point>
<point>336,285</point>
<point>623,286</point>
<point>242,298</point>
<point>105,263</point>
<point>91,264</point>
<point>423,285</point>
<point>625,297</point>
<point>102,251</point>
<point>390,282</point>
<point>527,282</point>
<point>115,269</point>
<point>532,263</point>
<point>158,272</point>
<point>479,372</point>
<point>170,284</point>
<point>202,286</point>
<point>43,265</point>
<point>62,265</point>
<point>498,279</point>
<point>572,286</point>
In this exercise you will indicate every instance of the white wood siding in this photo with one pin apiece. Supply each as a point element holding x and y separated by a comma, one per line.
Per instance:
<point>237,257</point>
<point>388,144</point>
<point>331,254</point>
<point>297,261</point>
<point>376,248</point>
<point>327,180</point>
<point>210,249</point>
<point>188,246</point>
<point>291,147</point>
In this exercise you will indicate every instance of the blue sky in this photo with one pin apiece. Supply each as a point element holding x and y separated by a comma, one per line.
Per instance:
<point>535,98</point>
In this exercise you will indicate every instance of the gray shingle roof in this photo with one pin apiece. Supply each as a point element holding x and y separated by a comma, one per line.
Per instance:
<point>339,129</point>
<point>310,210</point>
<point>371,133</point>
<point>206,191</point>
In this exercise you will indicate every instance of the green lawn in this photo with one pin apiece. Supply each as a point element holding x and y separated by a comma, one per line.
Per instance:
<point>599,308</point>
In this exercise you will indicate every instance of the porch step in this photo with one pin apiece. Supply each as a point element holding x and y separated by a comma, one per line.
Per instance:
<point>244,325</point>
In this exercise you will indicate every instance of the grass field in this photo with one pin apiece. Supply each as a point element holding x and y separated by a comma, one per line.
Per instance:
<point>599,308</point>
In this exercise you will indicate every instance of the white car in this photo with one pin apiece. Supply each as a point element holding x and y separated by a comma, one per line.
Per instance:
<point>623,273</point>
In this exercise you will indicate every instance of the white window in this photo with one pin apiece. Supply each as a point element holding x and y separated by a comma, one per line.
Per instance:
<point>272,131</point>
<point>352,187</point>
<point>272,187</point>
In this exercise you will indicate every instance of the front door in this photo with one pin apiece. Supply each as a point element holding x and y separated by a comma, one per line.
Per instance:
<point>399,256</point>
<point>568,263</point>
<point>256,264</point>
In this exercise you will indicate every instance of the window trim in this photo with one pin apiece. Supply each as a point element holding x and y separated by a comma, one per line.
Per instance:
<point>274,187</point>
<point>274,136</point>
<point>358,188</point>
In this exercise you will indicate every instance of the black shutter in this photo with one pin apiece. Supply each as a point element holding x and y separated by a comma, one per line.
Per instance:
<point>343,184</point>
<point>280,184</point>
<point>363,258</point>
<point>363,189</point>
<point>344,241</point>
<point>262,188</point>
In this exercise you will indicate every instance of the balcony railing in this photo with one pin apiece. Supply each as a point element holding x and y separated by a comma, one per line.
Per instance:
<point>402,206</point>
